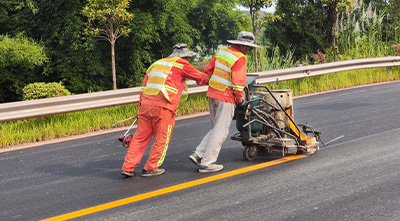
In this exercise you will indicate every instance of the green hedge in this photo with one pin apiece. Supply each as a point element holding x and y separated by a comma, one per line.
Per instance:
<point>44,90</point>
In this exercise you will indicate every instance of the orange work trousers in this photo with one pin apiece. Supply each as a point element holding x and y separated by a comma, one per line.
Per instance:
<point>152,120</point>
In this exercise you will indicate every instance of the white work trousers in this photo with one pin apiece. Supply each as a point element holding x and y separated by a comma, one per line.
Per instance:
<point>221,114</point>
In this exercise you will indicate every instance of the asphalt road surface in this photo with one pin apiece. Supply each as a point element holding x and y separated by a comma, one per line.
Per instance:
<point>354,178</point>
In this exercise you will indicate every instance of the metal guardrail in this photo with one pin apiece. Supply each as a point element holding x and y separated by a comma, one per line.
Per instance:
<point>51,106</point>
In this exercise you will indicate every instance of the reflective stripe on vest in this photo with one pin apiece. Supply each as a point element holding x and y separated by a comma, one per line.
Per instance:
<point>157,75</point>
<point>222,77</point>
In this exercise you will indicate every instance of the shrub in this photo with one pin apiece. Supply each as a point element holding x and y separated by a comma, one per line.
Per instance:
<point>21,62</point>
<point>44,90</point>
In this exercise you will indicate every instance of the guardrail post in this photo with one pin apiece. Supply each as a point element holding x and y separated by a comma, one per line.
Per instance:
<point>389,70</point>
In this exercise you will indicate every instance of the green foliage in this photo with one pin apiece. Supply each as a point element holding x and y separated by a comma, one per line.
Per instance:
<point>341,5</point>
<point>257,22</point>
<point>20,60</point>
<point>158,25</point>
<point>360,34</point>
<point>106,18</point>
<point>255,7</point>
<point>75,59</point>
<point>304,27</point>
<point>391,24</point>
<point>44,90</point>
<point>272,59</point>
<point>214,23</point>
<point>13,15</point>
<point>336,6</point>
<point>22,52</point>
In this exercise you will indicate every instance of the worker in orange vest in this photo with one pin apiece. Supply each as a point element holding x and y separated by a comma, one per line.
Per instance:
<point>227,81</point>
<point>159,99</point>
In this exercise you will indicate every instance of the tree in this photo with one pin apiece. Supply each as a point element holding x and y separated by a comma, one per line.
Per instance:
<point>158,25</point>
<point>20,60</point>
<point>394,20</point>
<point>14,15</point>
<point>75,58</point>
<point>106,19</point>
<point>257,22</point>
<point>336,6</point>
<point>303,30</point>
<point>214,22</point>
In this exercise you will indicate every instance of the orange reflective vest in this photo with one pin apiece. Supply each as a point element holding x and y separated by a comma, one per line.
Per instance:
<point>222,75</point>
<point>157,75</point>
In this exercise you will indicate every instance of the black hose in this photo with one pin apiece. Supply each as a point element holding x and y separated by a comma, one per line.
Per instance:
<point>255,85</point>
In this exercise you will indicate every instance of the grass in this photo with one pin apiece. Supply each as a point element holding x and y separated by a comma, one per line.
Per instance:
<point>338,80</point>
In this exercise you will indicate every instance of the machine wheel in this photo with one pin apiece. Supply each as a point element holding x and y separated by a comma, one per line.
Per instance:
<point>250,152</point>
<point>127,140</point>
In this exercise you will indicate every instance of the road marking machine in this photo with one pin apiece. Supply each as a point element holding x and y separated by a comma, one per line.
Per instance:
<point>265,121</point>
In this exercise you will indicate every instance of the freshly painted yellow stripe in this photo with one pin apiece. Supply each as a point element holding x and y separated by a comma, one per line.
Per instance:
<point>159,192</point>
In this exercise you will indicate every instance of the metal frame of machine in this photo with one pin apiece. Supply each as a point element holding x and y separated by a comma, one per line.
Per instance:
<point>266,122</point>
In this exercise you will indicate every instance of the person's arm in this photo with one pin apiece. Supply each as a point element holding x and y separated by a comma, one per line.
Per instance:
<point>141,91</point>
<point>192,73</point>
<point>209,70</point>
<point>239,78</point>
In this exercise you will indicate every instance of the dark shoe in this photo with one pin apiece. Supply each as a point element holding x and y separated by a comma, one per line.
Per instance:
<point>211,168</point>
<point>195,159</point>
<point>126,173</point>
<point>146,173</point>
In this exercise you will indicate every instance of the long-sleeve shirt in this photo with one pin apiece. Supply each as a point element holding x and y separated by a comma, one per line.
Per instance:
<point>177,78</point>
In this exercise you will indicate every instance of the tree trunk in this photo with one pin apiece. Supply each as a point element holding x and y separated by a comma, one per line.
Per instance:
<point>254,24</point>
<point>114,72</point>
<point>255,55</point>
<point>335,13</point>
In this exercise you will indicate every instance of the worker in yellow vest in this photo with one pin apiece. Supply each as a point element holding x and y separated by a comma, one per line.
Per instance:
<point>228,79</point>
<point>159,99</point>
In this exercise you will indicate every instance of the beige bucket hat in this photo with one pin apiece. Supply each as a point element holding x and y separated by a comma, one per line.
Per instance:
<point>181,50</point>
<point>245,38</point>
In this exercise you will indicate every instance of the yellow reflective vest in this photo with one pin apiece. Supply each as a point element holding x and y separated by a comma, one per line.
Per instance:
<point>222,75</point>
<point>157,75</point>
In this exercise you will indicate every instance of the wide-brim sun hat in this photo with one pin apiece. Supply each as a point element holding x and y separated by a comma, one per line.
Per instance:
<point>181,50</point>
<point>245,38</point>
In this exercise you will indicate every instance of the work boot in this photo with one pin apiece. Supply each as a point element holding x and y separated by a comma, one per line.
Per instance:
<point>195,158</point>
<point>211,168</point>
<point>146,173</point>
<point>127,173</point>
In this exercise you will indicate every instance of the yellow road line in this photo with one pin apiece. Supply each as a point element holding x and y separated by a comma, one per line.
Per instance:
<point>166,190</point>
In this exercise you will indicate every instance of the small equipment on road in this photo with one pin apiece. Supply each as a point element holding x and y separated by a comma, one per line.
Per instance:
<point>127,137</point>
